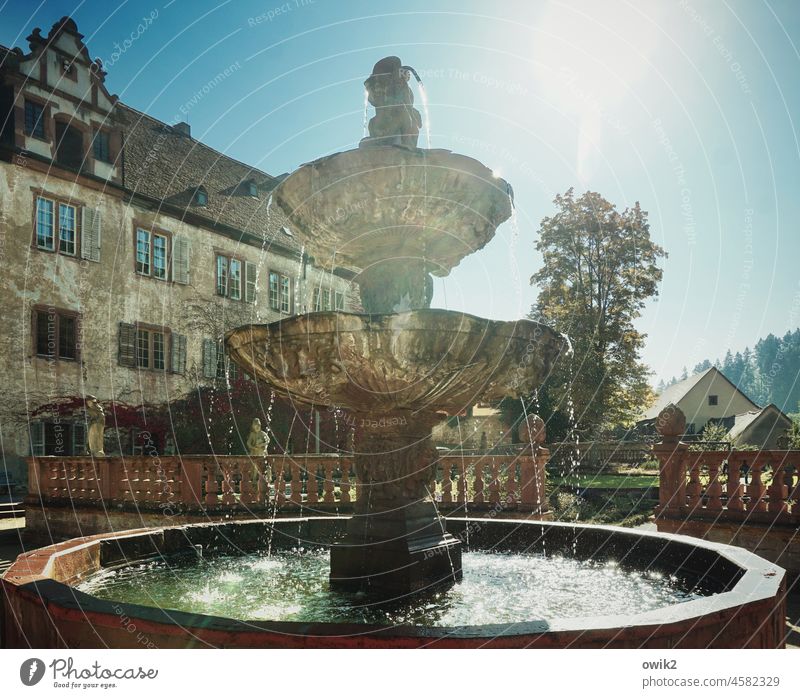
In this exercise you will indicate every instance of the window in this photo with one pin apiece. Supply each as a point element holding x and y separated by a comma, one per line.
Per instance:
<point>713,400</point>
<point>51,216</point>
<point>236,279</point>
<point>338,303</point>
<point>58,438</point>
<point>224,365</point>
<point>142,252</point>
<point>322,299</point>
<point>34,119</point>
<point>143,348</point>
<point>151,348</point>
<point>285,293</point>
<point>67,234</point>
<point>55,333</point>
<point>201,196</point>
<point>159,351</point>
<point>222,275</point>
<point>151,254</point>
<point>250,188</point>
<point>159,256</point>
<point>101,146</point>
<point>44,223</point>
<point>229,278</point>
<point>280,292</point>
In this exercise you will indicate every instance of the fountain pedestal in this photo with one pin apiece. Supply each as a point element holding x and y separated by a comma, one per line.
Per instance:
<point>396,542</point>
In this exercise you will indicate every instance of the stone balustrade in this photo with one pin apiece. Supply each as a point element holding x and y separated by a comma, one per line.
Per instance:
<point>219,484</point>
<point>744,498</point>
<point>746,486</point>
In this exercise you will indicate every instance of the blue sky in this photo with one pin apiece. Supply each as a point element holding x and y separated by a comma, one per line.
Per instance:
<point>684,106</point>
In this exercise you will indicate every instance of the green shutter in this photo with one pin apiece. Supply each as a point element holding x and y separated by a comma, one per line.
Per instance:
<point>90,234</point>
<point>250,270</point>
<point>178,353</point>
<point>127,345</point>
<point>180,259</point>
<point>209,358</point>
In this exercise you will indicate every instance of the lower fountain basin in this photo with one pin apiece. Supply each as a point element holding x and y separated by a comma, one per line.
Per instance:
<point>716,595</point>
<point>422,360</point>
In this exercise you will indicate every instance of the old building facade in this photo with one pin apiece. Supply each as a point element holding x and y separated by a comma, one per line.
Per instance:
<point>129,248</point>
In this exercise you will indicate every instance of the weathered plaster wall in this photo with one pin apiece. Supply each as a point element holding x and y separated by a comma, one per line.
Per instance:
<point>110,292</point>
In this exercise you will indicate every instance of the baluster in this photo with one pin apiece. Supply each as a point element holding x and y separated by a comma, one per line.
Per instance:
<point>478,481</point>
<point>777,492</point>
<point>248,471</point>
<point>311,482</point>
<point>714,489</point>
<point>344,484</point>
<point>734,487</point>
<point>79,487</point>
<point>461,487</point>
<point>227,485</point>
<point>756,488</point>
<point>447,483</point>
<point>211,485</point>
<point>328,496</point>
<point>262,484</point>
<point>52,486</point>
<point>694,488</point>
<point>494,483</point>
<point>296,496</point>
<point>280,482</point>
<point>511,484</point>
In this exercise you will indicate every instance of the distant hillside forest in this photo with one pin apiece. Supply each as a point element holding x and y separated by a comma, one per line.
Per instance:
<point>767,373</point>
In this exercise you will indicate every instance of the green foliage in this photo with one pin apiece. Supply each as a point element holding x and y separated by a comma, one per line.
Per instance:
<point>600,267</point>
<point>794,432</point>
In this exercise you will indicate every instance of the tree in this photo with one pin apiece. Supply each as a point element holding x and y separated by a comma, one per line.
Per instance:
<point>600,267</point>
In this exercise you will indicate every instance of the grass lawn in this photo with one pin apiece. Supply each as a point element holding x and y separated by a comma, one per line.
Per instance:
<point>609,481</point>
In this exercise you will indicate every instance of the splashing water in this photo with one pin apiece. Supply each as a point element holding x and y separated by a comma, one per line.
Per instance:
<point>365,120</point>
<point>512,247</point>
<point>427,125</point>
<point>293,586</point>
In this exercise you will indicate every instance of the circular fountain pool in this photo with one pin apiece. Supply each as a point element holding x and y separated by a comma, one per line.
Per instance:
<point>293,585</point>
<point>526,584</point>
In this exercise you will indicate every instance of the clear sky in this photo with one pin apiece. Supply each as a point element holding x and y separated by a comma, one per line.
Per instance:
<point>685,106</point>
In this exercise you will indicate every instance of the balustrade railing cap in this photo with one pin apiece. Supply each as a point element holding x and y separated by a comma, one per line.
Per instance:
<point>671,422</point>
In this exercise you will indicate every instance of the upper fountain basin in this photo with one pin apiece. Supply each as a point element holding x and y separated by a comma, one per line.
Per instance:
<point>377,203</point>
<point>423,360</point>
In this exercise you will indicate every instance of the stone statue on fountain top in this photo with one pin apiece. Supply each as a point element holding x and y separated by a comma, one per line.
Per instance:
<point>396,121</point>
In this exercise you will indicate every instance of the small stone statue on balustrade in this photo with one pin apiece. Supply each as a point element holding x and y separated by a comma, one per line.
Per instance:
<point>257,442</point>
<point>96,420</point>
<point>532,433</point>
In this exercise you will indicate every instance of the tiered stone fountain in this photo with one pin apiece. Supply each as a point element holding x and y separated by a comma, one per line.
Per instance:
<point>399,214</point>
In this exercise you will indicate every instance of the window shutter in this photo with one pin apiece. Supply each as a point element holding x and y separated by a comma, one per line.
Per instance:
<point>127,345</point>
<point>37,438</point>
<point>180,259</point>
<point>90,234</point>
<point>250,271</point>
<point>209,358</point>
<point>178,353</point>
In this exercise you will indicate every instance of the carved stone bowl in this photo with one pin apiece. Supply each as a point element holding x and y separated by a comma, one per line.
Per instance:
<point>423,360</point>
<point>380,203</point>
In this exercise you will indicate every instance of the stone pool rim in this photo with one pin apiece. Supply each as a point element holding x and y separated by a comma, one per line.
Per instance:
<point>41,580</point>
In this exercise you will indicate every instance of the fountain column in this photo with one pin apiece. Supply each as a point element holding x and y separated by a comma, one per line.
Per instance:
<point>396,541</point>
